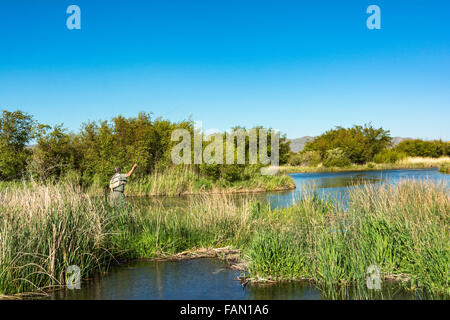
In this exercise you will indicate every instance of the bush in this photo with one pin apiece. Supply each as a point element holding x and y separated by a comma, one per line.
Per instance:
<point>295,159</point>
<point>211,171</point>
<point>233,172</point>
<point>445,168</point>
<point>389,156</point>
<point>422,148</point>
<point>307,158</point>
<point>336,158</point>
<point>360,143</point>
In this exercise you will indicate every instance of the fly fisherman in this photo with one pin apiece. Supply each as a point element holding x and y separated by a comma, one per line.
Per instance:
<point>118,182</point>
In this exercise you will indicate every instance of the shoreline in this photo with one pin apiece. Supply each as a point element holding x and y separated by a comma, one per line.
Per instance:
<point>214,192</point>
<point>356,168</point>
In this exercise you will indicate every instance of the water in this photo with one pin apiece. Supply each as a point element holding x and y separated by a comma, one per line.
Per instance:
<point>335,185</point>
<point>209,279</point>
<point>200,279</point>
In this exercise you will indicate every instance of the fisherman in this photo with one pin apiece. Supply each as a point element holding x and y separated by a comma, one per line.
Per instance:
<point>118,182</point>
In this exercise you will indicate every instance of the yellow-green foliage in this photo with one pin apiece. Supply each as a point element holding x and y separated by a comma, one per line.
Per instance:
<point>445,168</point>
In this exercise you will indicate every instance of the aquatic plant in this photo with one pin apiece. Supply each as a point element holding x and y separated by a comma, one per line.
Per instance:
<point>403,229</point>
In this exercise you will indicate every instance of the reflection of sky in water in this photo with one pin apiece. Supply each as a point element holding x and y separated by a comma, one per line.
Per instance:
<point>192,279</point>
<point>336,185</point>
<point>333,185</point>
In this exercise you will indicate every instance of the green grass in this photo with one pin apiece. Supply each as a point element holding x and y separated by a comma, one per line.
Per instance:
<point>404,230</point>
<point>445,168</point>
<point>185,181</point>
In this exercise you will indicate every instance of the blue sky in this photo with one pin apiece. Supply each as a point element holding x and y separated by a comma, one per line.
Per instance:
<point>298,66</point>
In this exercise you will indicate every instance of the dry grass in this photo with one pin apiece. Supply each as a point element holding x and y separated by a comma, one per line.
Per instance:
<point>427,162</point>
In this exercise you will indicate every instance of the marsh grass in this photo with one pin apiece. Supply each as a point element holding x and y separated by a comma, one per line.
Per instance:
<point>425,161</point>
<point>403,229</point>
<point>405,163</point>
<point>185,181</point>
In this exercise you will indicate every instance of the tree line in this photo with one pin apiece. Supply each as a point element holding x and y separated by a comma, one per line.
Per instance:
<point>92,153</point>
<point>340,147</point>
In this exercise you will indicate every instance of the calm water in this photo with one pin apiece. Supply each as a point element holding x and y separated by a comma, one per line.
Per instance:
<point>326,185</point>
<point>209,279</point>
<point>335,185</point>
<point>193,279</point>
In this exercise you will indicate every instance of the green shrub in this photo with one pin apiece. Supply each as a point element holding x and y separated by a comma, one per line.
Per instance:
<point>444,168</point>
<point>307,158</point>
<point>422,148</point>
<point>233,172</point>
<point>295,159</point>
<point>211,171</point>
<point>389,156</point>
<point>336,158</point>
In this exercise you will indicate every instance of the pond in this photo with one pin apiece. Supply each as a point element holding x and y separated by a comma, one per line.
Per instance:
<point>335,185</point>
<point>200,279</point>
<point>210,279</point>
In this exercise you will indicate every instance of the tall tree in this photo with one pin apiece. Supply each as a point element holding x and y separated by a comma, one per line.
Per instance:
<point>16,131</point>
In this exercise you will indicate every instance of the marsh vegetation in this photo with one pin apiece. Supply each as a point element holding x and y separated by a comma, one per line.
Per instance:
<point>404,229</point>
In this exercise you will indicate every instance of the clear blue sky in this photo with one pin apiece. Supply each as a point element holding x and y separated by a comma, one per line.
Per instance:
<point>298,66</point>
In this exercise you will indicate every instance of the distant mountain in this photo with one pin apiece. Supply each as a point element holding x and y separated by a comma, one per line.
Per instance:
<point>397,140</point>
<point>299,143</point>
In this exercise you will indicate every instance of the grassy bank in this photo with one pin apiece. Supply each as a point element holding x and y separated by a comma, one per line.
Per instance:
<point>407,163</point>
<point>445,168</point>
<point>404,231</point>
<point>181,181</point>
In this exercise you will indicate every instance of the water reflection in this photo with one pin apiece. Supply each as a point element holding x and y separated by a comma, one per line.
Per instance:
<point>196,279</point>
<point>207,278</point>
<point>333,186</point>
<point>336,185</point>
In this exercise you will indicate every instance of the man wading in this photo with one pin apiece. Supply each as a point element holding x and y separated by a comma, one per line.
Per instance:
<point>118,182</point>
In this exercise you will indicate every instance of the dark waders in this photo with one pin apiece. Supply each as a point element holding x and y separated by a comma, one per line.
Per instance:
<point>117,196</point>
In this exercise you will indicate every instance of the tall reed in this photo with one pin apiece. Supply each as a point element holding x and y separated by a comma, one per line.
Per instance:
<point>403,229</point>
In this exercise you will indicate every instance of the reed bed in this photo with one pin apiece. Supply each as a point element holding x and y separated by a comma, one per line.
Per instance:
<point>183,180</point>
<point>426,161</point>
<point>44,229</point>
<point>403,229</point>
<point>405,163</point>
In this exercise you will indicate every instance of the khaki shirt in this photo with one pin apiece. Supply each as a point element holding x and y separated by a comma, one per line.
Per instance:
<point>123,178</point>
